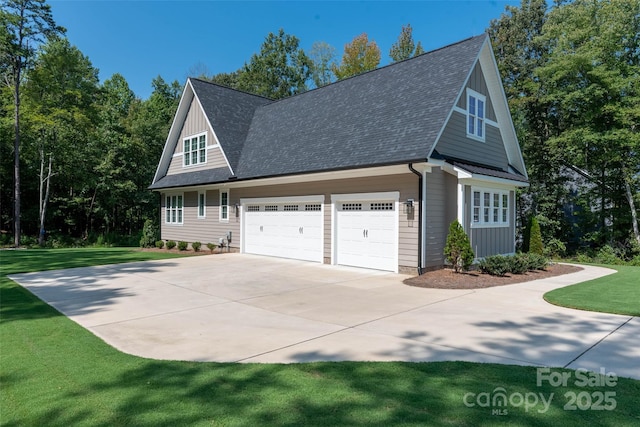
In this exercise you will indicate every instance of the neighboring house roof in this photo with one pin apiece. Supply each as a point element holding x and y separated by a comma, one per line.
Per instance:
<point>391,115</point>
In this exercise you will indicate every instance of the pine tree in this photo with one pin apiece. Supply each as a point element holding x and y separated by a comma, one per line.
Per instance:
<point>535,239</point>
<point>458,250</point>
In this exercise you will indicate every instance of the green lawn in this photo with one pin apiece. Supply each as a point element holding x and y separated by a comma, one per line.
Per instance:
<point>54,372</point>
<point>618,293</point>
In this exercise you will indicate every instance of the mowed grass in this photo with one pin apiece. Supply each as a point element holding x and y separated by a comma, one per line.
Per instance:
<point>54,372</point>
<point>617,293</point>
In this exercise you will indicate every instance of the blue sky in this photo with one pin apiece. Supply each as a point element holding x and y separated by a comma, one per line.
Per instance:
<point>144,39</point>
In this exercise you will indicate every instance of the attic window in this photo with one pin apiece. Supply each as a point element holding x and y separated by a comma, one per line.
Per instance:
<point>195,150</point>
<point>475,115</point>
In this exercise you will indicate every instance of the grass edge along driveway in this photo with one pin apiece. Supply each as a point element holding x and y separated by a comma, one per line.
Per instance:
<point>54,372</point>
<point>618,293</point>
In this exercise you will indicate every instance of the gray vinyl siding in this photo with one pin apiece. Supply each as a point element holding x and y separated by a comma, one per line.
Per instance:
<point>194,124</point>
<point>478,83</point>
<point>486,241</point>
<point>211,229</point>
<point>454,143</point>
<point>441,210</point>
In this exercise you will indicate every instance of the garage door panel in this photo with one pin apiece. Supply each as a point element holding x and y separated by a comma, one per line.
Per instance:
<point>367,234</point>
<point>285,230</point>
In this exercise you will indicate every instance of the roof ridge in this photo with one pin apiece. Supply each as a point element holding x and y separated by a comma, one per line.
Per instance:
<point>484,34</point>
<point>231,88</point>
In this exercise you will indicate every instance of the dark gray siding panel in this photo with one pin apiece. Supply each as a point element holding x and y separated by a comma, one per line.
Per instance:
<point>455,143</point>
<point>477,82</point>
<point>492,241</point>
<point>436,227</point>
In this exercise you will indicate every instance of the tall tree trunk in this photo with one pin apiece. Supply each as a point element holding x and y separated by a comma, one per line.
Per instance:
<point>44,198</point>
<point>16,162</point>
<point>632,206</point>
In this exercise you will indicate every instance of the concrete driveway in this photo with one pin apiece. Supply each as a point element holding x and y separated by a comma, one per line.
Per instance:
<point>243,308</point>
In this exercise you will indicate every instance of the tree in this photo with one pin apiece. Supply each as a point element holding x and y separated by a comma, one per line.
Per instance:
<point>359,56</point>
<point>26,23</point>
<point>457,250</point>
<point>404,47</point>
<point>591,83</point>
<point>322,59</point>
<point>281,69</point>
<point>535,239</point>
<point>59,110</point>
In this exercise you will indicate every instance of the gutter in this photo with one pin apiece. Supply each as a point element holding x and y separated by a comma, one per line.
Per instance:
<point>420,184</point>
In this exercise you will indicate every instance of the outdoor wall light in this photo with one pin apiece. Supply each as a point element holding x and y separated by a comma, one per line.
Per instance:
<point>409,206</point>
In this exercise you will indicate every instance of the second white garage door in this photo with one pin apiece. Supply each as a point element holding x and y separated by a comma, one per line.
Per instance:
<point>366,233</point>
<point>284,227</point>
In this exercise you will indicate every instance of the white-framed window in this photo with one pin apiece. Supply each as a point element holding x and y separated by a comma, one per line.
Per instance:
<point>173,209</point>
<point>224,205</point>
<point>476,104</point>
<point>202,204</point>
<point>490,207</point>
<point>195,150</point>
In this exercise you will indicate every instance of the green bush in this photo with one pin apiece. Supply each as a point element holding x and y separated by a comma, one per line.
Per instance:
<point>458,250</point>
<point>159,244</point>
<point>495,265</point>
<point>149,234</point>
<point>196,246</point>
<point>535,239</point>
<point>182,246</point>
<point>171,244</point>
<point>518,264</point>
<point>608,255</point>
<point>212,246</point>
<point>555,249</point>
<point>537,262</point>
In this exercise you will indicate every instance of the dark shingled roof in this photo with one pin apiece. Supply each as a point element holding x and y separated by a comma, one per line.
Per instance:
<point>496,173</point>
<point>191,178</point>
<point>230,113</point>
<point>389,115</point>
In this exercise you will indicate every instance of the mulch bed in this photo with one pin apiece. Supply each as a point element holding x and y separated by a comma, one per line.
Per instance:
<point>448,279</point>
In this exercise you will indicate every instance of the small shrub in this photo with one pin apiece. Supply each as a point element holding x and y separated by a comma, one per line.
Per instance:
<point>182,246</point>
<point>537,262</point>
<point>518,264</point>
<point>149,234</point>
<point>608,255</point>
<point>495,265</point>
<point>535,239</point>
<point>212,246</point>
<point>555,249</point>
<point>196,246</point>
<point>458,250</point>
<point>159,244</point>
<point>171,244</point>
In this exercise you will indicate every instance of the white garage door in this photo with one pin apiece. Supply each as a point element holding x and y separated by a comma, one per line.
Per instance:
<point>367,234</point>
<point>288,229</point>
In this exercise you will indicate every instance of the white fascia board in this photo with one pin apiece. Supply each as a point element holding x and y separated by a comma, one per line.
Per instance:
<point>172,138</point>
<point>213,132</point>
<point>492,181</point>
<point>285,199</point>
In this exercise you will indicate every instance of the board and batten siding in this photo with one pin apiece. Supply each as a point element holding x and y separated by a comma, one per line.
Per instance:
<point>487,241</point>
<point>477,83</point>
<point>211,229</point>
<point>454,143</point>
<point>194,124</point>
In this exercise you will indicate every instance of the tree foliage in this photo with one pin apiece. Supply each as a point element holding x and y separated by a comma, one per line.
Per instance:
<point>535,239</point>
<point>571,77</point>
<point>360,55</point>
<point>25,24</point>
<point>281,69</point>
<point>322,59</point>
<point>457,250</point>
<point>405,47</point>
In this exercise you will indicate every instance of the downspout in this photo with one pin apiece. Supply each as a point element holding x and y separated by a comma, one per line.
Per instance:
<point>420,183</point>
